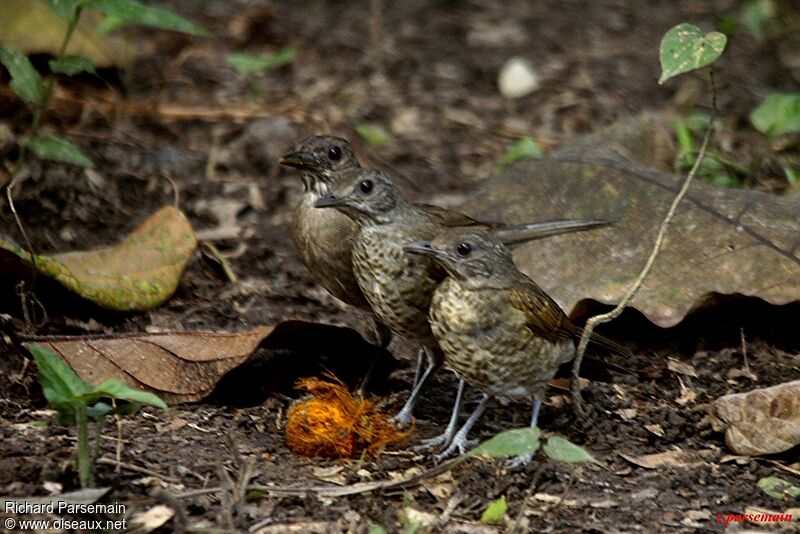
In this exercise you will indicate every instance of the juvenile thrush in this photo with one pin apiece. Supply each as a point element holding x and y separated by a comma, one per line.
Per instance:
<point>399,286</point>
<point>499,331</point>
<point>324,238</point>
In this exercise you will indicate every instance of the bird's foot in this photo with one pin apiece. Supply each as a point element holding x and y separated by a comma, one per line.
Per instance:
<point>519,461</point>
<point>442,440</point>
<point>403,418</point>
<point>459,444</point>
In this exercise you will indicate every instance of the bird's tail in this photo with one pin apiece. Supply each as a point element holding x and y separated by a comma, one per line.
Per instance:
<point>521,233</point>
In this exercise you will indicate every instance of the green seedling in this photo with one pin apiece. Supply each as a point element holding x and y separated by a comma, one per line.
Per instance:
<point>77,401</point>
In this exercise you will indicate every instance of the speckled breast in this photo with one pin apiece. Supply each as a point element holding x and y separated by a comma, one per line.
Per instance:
<point>396,285</point>
<point>486,342</point>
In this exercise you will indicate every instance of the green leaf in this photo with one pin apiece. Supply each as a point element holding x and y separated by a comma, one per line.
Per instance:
<point>72,65</point>
<point>684,48</point>
<point>63,8</point>
<point>792,176</point>
<point>247,63</point>
<point>376,528</point>
<point>51,146</point>
<point>99,410</point>
<point>495,512</point>
<point>373,134</point>
<point>685,139</point>
<point>510,443</point>
<point>778,488</point>
<point>756,14</point>
<point>777,115</point>
<point>563,450</point>
<point>114,389</point>
<point>60,385</point>
<point>527,147</point>
<point>25,80</point>
<point>109,24</point>
<point>135,13</point>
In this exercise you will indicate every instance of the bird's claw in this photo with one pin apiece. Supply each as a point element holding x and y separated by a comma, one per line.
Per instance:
<point>402,419</point>
<point>519,461</point>
<point>442,440</point>
<point>458,444</point>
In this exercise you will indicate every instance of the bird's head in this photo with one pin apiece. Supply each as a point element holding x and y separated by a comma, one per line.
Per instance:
<point>473,256</point>
<point>320,158</point>
<point>365,195</point>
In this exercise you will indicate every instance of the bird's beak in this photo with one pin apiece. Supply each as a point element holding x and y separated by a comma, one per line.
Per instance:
<point>423,248</point>
<point>329,201</point>
<point>299,160</point>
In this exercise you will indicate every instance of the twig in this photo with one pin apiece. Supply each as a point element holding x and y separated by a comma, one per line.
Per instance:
<point>179,520</point>
<point>617,311</point>
<point>136,469</point>
<point>744,352</point>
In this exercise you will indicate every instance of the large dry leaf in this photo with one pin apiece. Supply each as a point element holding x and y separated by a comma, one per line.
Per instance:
<point>761,421</point>
<point>30,26</point>
<point>178,367</point>
<point>721,241</point>
<point>139,273</point>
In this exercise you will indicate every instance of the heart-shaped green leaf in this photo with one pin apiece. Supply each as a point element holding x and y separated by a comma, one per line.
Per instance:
<point>527,147</point>
<point>514,442</point>
<point>777,115</point>
<point>25,80</point>
<point>133,12</point>
<point>63,8</point>
<point>495,512</point>
<point>51,146</point>
<point>247,63</point>
<point>685,48</point>
<point>563,450</point>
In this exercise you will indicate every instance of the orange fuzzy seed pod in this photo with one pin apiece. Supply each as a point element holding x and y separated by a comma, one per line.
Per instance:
<point>335,424</point>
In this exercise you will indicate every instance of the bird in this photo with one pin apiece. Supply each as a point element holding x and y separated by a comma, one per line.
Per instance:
<point>324,238</point>
<point>399,286</point>
<point>499,331</point>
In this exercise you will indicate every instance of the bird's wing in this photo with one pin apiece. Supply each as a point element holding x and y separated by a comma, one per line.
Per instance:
<point>451,218</point>
<point>544,318</point>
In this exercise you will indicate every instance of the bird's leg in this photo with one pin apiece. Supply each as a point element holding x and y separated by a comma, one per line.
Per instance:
<point>403,417</point>
<point>460,442</point>
<point>523,459</point>
<point>443,439</point>
<point>418,368</point>
<point>382,337</point>
<point>575,387</point>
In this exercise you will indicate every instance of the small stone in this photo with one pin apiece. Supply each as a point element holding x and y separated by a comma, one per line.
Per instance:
<point>517,78</point>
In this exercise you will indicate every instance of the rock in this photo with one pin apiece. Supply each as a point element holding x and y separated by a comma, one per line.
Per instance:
<point>517,78</point>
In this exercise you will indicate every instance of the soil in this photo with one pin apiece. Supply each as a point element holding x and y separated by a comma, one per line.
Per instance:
<point>431,81</point>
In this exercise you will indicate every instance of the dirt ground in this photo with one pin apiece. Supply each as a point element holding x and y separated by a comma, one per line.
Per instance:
<point>431,81</point>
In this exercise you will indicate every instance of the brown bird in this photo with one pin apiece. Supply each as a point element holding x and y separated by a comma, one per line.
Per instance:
<point>399,286</point>
<point>324,238</point>
<point>499,331</point>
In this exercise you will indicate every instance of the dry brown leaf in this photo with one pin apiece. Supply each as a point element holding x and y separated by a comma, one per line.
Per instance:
<point>139,273</point>
<point>678,366</point>
<point>721,241</point>
<point>178,367</point>
<point>761,421</point>
<point>675,458</point>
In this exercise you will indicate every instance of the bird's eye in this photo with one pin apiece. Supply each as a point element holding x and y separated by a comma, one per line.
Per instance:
<point>334,153</point>
<point>463,249</point>
<point>366,186</point>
